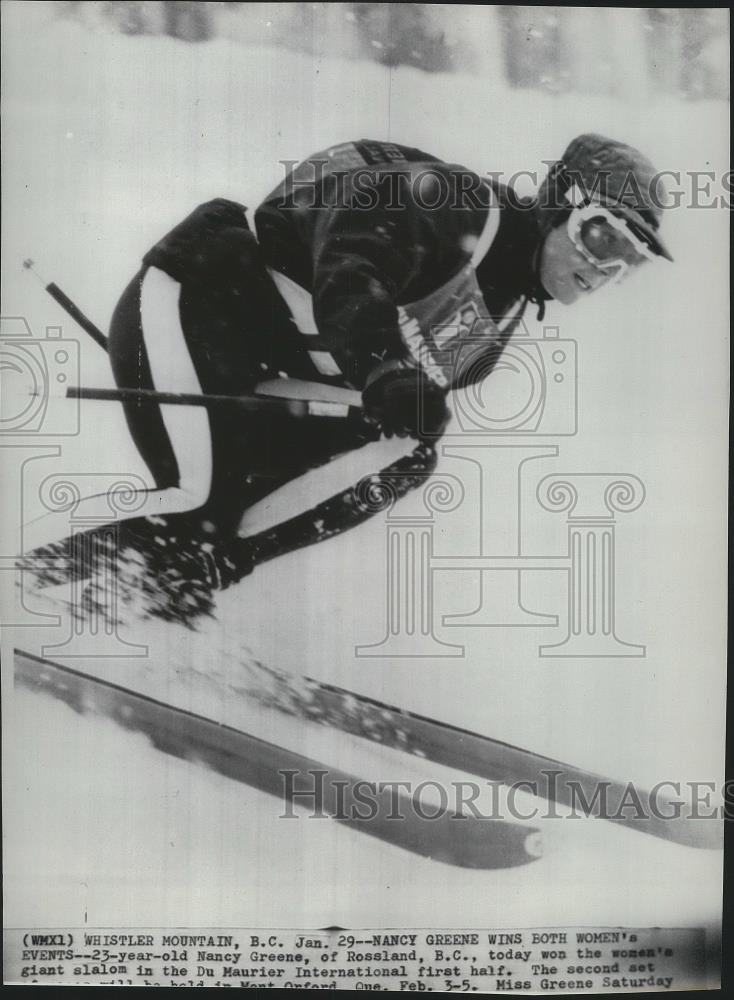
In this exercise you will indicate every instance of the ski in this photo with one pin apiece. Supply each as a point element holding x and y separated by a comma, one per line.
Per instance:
<point>462,841</point>
<point>557,782</point>
<point>173,588</point>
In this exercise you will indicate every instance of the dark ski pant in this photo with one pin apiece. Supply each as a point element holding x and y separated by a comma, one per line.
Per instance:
<point>209,463</point>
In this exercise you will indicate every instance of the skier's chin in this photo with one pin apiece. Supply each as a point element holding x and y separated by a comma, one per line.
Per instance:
<point>564,292</point>
<point>567,297</point>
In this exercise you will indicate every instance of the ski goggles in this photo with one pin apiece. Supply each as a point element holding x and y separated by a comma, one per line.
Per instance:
<point>608,241</point>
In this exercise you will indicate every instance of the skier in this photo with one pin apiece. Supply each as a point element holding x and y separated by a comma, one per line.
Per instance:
<point>375,269</point>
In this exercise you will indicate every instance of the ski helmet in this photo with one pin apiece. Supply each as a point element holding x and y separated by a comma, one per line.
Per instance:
<point>611,173</point>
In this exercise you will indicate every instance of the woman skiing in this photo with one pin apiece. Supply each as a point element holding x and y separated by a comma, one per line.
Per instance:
<point>376,273</point>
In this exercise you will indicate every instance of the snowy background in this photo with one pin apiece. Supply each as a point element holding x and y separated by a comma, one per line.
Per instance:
<point>113,130</point>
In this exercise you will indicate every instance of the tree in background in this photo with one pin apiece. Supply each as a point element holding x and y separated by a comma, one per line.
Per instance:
<point>628,52</point>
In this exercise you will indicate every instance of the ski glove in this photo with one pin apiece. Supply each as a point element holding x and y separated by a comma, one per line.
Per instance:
<point>406,403</point>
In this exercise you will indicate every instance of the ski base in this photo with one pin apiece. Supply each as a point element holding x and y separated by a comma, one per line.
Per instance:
<point>463,841</point>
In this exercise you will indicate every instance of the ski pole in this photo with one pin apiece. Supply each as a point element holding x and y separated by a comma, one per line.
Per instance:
<point>68,306</point>
<point>293,407</point>
<point>255,404</point>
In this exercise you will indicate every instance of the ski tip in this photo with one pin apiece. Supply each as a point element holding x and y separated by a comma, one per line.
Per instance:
<point>498,844</point>
<point>534,845</point>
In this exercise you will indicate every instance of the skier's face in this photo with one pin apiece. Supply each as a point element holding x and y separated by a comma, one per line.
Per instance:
<point>565,273</point>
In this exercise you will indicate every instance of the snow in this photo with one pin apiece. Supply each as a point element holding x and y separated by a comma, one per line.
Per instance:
<point>114,140</point>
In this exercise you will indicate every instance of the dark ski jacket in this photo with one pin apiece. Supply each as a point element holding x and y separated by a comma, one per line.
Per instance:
<point>368,240</point>
<point>372,242</point>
